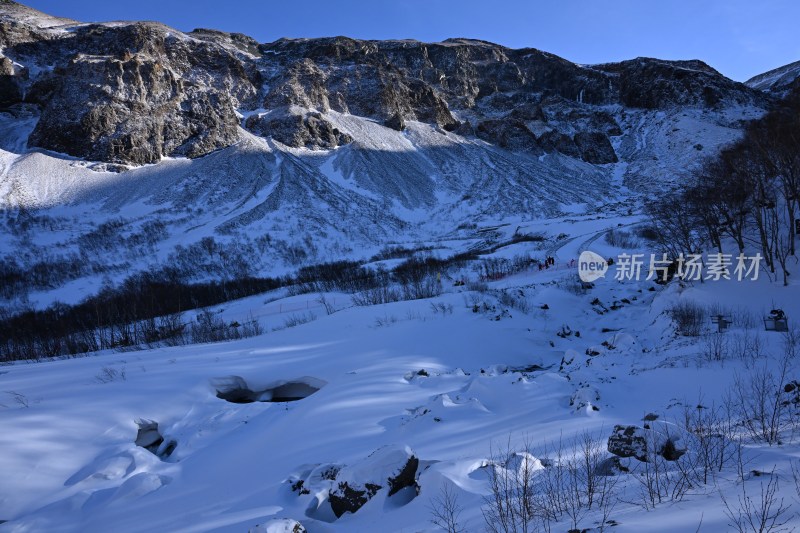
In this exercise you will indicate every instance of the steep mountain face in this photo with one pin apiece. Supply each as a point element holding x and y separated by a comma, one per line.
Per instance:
<point>337,143</point>
<point>778,81</point>
<point>133,93</point>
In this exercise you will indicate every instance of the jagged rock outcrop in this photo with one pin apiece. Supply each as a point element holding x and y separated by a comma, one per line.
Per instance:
<point>656,84</point>
<point>132,110</point>
<point>310,131</point>
<point>10,83</point>
<point>511,134</point>
<point>130,93</point>
<point>594,147</point>
<point>136,92</point>
<point>395,122</point>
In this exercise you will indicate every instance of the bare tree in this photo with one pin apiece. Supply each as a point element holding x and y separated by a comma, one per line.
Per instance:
<point>445,509</point>
<point>509,508</point>
<point>758,401</point>
<point>762,513</point>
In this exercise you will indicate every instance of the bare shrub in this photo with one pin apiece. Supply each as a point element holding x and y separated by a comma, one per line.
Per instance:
<point>568,483</point>
<point>573,285</point>
<point>763,512</point>
<point>208,327</point>
<point>442,308</point>
<point>622,239</point>
<point>298,319</point>
<point>712,440</point>
<point>757,397</point>
<point>327,304</point>
<point>19,398</point>
<point>251,327</point>
<point>385,320</point>
<point>747,346</point>
<point>665,476</point>
<point>514,299</point>
<point>382,294</point>
<point>445,509</point>
<point>510,506</point>
<point>477,286</point>
<point>108,374</point>
<point>689,318</point>
<point>715,347</point>
<point>791,343</point>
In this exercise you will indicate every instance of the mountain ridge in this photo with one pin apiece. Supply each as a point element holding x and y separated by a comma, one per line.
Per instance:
<point>335,147</point>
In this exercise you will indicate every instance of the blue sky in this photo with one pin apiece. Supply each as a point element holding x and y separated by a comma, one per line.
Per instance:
<point>740,38</point>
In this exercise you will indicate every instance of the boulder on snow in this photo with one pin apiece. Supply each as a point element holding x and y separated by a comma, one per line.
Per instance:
<point>610,466</point>
<point>148,434</point>
<point>633,441</point>
<point>628,441</point>
<point>149,437</point>
<point>392,467</point>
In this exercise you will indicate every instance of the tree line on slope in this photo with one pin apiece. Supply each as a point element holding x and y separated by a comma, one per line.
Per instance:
<point>147,307</point>
<point>749,193</point>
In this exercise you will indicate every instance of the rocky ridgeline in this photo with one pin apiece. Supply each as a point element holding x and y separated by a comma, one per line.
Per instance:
<point>135,92</point>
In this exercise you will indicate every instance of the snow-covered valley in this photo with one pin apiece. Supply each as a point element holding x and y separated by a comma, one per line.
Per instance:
<point>332,285</point>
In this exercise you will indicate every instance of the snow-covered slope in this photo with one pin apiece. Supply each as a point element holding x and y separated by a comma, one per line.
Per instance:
<point>777,80</point>
<point>399,384</point>
<point>308,150</point>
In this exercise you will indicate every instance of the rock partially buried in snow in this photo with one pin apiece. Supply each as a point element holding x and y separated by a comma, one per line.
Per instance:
<point>148,434</point>
<point>628,441</point>
<point>392,467</point>
<point>279,525</point>
<point>149,437</point>
<point>235,389</point>
<point>660,439</point>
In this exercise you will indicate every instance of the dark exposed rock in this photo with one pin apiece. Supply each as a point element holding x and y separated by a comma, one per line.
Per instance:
<point>346,499</point>
<point>628,441</point>
<point>656,84</point>
<point>10,83</point>
<point>670,451</point>
<point>513,135</point>
<point>132,111</point>
<point>279,525</point>
<point>303,84</point>
<point>633,441</point>
<point>395,122</point>
<point>149,437</point>
<point>611,466</point>
<point>594,147</point>
<point>310,131</point>
<point>135,92</point>
<point>554,141</point>
<point>390,467</point>
<point>407,477</point>
<point>235,389</point>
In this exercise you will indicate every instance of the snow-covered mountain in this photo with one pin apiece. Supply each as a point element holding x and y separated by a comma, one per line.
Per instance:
<point>777,80</point>
<point>331,147</point>
<point>503,398</point>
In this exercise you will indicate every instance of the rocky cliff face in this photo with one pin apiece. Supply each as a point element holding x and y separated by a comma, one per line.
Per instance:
<point>135,92</point>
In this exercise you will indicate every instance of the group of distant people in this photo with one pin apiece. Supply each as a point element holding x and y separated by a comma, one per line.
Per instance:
<point>548,262</point>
